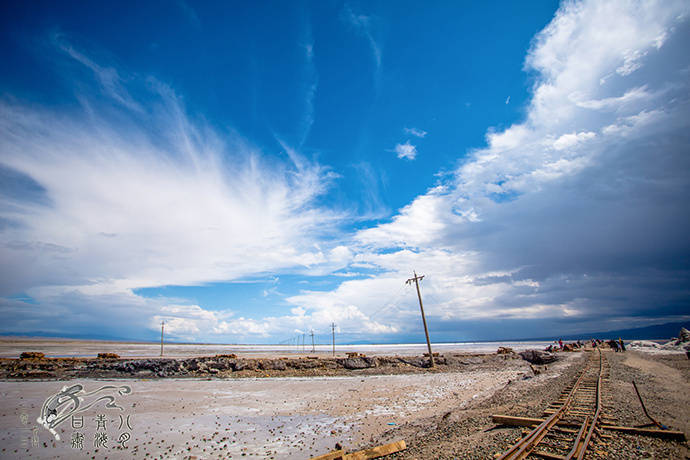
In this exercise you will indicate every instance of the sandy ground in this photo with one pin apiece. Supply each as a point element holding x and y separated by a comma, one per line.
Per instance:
<point>265,418</point>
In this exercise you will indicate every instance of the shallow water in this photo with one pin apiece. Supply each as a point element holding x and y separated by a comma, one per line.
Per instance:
<point>12,348</point>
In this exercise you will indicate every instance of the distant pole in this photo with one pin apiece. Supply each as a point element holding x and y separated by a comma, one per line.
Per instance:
<point>162,325</point>
<point>333,331</point>
<point>416,280</point>
<point>312,341</point>
<point>303,335</point>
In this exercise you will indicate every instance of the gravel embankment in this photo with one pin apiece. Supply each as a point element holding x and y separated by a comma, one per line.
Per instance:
<point>466,430</point>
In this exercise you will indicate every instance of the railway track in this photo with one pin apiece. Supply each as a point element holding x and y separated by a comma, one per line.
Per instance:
<point>571,420</point>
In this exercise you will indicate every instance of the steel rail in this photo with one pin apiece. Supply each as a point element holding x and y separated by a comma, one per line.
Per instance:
<point>578,439</point>
<point>520,449</point>
<point>596,414</point>
<point>526,445</point>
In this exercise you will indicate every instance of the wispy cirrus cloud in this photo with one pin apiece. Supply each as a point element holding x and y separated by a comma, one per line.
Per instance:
<point>149,197</point>
<point>416,132</point>
<point>363,26</point>
<point>109,78</point>
<point>311,78</point>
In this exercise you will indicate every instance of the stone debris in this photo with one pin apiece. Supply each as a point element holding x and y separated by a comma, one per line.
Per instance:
<point>643,344</point>
<point>108,356</point>
<point>538,357</point>
<point>110,365</point>
<point>680,343</point>
<point>32,355</point>
<point>354,354</point>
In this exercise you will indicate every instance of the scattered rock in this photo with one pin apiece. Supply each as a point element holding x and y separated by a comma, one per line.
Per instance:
<point>354,354</point>
<point>108,356</point>
<point>504,351</point>
<point>538,357</point>
<point>246,364</point>
<point>681,343</point>
<point>416,361</point>
<point>643,344</point>
<point>273,365</point>
<point>32,355</point>
<point>358,363</point>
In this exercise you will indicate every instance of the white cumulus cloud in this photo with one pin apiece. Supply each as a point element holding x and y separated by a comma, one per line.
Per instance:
<point>406,151</point>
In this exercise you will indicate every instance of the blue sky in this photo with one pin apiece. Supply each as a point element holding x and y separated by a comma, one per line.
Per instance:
<point>248,172</point>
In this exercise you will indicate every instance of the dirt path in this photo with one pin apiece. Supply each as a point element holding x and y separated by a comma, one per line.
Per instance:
<point>662,373</point>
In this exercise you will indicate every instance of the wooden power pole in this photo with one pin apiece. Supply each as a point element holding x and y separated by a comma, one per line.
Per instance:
<point>162,325</point>
<point>416,280</point>
<point>312,341</point>
<point>333,331</point>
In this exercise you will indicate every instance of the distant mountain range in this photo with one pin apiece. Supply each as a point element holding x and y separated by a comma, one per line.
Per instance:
<point>656,332</point>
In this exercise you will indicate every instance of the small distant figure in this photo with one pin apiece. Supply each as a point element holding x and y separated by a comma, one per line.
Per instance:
<point>614,344</point>
<point>560,343</point>
<point>621,344</point>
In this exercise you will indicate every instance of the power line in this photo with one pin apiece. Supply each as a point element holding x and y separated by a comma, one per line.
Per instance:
<point>392,302</point>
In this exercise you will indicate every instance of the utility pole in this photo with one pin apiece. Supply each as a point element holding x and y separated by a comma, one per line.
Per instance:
<point>416,280</point>
<point>333,331</point>
<point>303,334</point>
<point>162,325</point>
<point>312,341</point>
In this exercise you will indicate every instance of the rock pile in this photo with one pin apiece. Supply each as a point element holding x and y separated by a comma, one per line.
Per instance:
<point>538,357</point>
<point>32,355</point>
<point>643,344</point>
<point>109,365</point>
<point>681,343</point>
<point>108,356</point>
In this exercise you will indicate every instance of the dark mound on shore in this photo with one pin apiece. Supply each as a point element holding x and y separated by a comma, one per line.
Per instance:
<point>230,366</point>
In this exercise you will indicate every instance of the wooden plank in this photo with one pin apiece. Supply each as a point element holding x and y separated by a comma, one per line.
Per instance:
<point>678,435</point>
<point>332,455</point>
<point>547,455</point>
<point>515,421</point>
<point>376,452</point>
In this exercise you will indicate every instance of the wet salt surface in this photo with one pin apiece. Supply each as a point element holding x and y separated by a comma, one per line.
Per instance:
<point>12,347</point>
<point>270,417</point>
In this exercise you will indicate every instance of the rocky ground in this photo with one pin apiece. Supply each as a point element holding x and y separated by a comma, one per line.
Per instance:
<point>467,431</point>
<point>35,365</point>
<point>230,366</point>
